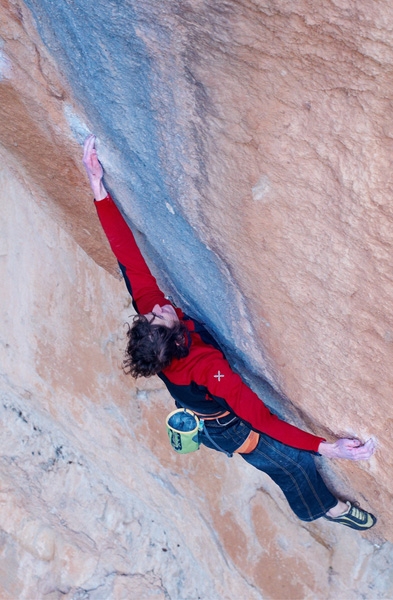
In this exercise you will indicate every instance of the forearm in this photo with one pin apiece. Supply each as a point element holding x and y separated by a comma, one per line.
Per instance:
<point>286,433</point>
<point>253,410</point>
<point>329,450</point>
<point>140,281</point>
<point>99,190</point>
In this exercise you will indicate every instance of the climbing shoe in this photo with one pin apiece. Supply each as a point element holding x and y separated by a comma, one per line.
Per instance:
<point>355,517</point>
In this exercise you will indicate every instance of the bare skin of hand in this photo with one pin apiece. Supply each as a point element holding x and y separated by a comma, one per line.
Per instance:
<point>351,449</point>
<point>93,168</point>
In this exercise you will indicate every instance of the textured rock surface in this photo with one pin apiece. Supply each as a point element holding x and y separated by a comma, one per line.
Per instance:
<point>87,493</point>
<point>93,503</point>
<point>250,144</point>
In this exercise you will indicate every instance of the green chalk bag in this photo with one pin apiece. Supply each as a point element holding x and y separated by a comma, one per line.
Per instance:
<point>183,428</point>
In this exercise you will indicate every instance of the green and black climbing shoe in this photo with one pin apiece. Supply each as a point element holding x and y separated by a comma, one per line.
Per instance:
<point>355,517</point>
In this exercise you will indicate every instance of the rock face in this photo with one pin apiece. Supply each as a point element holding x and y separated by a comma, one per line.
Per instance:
<point>250,145</point>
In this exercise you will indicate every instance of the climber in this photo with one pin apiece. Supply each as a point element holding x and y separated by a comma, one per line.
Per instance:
<point>163,341</point>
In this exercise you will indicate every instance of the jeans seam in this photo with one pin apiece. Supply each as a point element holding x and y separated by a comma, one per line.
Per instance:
<point>233,435</point>
<point>229,435</point>
<point>316,495</point>
<point>303,471</point>
<point>257,450</point>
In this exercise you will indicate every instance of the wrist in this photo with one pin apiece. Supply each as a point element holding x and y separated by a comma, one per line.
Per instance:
<point>327,449</point>
<point>99,191</point>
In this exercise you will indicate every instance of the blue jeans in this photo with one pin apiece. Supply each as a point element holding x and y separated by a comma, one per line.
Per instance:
<point>293,470</point>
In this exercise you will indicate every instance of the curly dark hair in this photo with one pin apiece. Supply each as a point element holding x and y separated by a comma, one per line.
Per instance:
<point>151,348</point>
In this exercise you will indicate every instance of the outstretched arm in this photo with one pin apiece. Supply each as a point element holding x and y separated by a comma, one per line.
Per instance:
<point>228,389</point>
<point>140,282</point>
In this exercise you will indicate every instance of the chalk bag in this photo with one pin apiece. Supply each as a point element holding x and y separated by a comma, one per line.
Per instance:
<point>183,428</point>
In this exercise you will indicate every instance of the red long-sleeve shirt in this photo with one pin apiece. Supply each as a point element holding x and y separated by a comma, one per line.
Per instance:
<point>202,381</point>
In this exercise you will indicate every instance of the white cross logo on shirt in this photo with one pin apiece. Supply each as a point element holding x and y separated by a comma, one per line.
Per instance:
<point>219,375</point>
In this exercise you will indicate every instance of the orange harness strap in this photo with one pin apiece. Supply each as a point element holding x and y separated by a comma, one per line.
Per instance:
<point>249,444</point>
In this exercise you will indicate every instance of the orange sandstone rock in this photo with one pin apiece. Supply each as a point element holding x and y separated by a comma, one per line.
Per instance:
<point>285,114</point>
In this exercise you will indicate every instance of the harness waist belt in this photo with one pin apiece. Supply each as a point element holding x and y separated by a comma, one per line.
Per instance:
<point>218,415</point>
<point>249,444</point>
